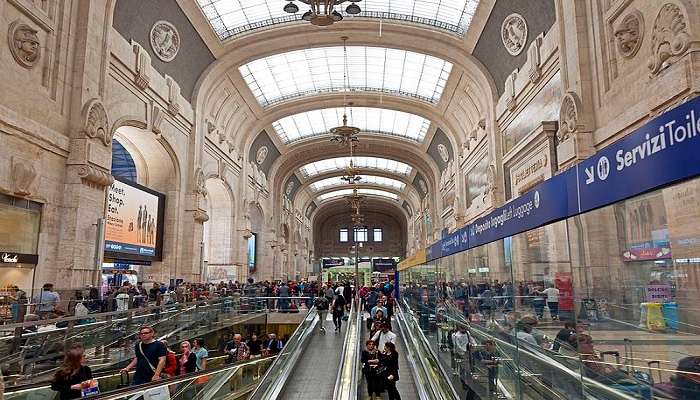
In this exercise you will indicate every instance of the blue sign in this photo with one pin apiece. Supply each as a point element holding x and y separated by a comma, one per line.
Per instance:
<point>663,151</point>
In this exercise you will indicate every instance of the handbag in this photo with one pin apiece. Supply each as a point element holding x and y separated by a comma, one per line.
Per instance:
<point>381,371</point>
<point>157,393</point>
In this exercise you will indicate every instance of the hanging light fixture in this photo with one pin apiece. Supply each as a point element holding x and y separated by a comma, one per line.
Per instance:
<point>323,12</point>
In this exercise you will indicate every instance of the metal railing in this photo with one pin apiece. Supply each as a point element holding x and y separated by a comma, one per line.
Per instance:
<point>347,380</point>
<point>272,383</point>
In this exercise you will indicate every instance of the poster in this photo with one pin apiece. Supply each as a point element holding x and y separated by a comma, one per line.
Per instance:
<point>252,249</point>
<point>133,224</point>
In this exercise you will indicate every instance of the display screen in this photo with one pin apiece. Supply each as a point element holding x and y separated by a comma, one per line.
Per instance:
<point>134,222</point>
<point>252,252</point>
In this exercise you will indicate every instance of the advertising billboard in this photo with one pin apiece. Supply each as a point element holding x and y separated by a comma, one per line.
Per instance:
<point>252,250</point>
<point>134,222</point>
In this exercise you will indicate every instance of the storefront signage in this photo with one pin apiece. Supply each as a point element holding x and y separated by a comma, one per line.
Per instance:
<point>647,254</point>
<point>532,170</point>
<point>18,258</point>
<point>333,262</point>
<point>659,293</point>
<point>134,221</point>
<point>383,264</point>
<point>661,152</point>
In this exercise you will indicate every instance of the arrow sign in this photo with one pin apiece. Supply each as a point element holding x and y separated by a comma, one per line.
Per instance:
<point>589,175</point>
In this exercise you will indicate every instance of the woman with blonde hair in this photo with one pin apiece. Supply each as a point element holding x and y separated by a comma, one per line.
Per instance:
<point>73,376</point>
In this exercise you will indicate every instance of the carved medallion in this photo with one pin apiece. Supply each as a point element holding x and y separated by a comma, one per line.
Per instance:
<point>165,40</point>
<point>444,154</point>
<point>629,33</point>
<point>290,187</point>
<point>423,186</point>
<point>568,116</point>
<point>514,33</point>
<point>669,38</point>
<point>24,44</point>
<point>261,155</point>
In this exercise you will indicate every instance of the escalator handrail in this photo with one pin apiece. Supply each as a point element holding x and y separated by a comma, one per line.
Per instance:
<point>346,382</point>
<point>271,390</point>
<point>552,363</point>
<point>424,383</point>
<point>120,393</point>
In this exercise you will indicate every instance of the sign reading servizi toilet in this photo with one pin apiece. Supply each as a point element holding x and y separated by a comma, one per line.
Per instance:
<point>134,221</point>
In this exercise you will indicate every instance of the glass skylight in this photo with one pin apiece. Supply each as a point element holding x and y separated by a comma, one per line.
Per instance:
<point>346,192</point>
<point>366,179</point>
<point>369,120</point>
<point>341,163</point>
<point>232,17</point>
<point>298,73</point>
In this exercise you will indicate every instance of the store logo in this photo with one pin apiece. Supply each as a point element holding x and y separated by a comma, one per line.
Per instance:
<point>7,258</point>
<point>537,199</point>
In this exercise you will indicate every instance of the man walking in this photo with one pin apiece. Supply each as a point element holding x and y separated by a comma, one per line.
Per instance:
<point>150,357</point>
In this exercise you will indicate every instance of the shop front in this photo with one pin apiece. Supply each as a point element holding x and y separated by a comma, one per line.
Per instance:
<point>611,245</point>
<point>19,239</point>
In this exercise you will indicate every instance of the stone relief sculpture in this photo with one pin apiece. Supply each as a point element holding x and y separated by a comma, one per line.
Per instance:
<point>514,33</point>
<point>568,116</point>
<point>261,155</point>
<point>490,181</point>
<point>669,37</point>
<point>23,176</point>
<point>24,44</point>
<point>444,154</point>
<point>290,187</point>
<point>629,33</point>
<point>423,186</point>
<point>200,182</point>
<point>96,124</point>
<point>165,40</point>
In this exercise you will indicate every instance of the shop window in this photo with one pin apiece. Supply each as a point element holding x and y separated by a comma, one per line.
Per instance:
<point>377,235</point>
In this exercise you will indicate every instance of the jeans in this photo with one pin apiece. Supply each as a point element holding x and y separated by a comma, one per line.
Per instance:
<point>337,320</point>
<point>553,309</point>
<point>322,315</point>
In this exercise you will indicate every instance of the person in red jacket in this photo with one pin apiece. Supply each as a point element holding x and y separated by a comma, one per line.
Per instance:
<point>171,366</point>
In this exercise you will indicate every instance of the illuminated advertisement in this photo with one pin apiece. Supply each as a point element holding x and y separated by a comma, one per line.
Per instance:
<point>252,252</point>
<point>134,222</point>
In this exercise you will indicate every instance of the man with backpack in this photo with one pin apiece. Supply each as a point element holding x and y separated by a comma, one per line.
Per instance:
<point>321,303</point>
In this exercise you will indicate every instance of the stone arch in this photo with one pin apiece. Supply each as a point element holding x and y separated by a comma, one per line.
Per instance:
<point>219,231</point>
<point>158,168</point>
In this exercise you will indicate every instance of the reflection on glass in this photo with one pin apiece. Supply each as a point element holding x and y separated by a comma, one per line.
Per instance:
<point>601,305</point>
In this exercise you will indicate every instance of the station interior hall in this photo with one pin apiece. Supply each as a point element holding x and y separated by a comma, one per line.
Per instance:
<point>350,199</point>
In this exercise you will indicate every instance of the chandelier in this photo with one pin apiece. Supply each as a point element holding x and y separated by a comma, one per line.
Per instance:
<point>357,218</point>
<point>355,200</point>
<point>323,12</point>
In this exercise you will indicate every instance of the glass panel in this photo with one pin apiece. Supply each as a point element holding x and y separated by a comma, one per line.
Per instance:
<point>598,306</point>
<point>360,234</point>
<point>366,179</point>
<point>341,163</point>
<point>232,17</point>
<point>297,73</point>
<point>346,192</point>
<point>344,235</point>
<point>19,229</point>
<point>378,235</point>
<point>368,120</point>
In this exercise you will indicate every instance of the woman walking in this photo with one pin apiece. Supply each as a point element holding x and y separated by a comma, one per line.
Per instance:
<point>188,360</point>
<point>338,311</point>
<point>389,369</point>
<point>73,376</point>
<point>370,364</point>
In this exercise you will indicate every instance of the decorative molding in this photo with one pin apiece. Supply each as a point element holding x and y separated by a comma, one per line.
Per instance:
<point>24,44</point>
<point>444,154</point>
<point>157,117</point>
<point>569,113</point>
<point>669,37</point>
<point>173,95</point>
<point>511,103</point>
<point>95,122</point>
<point>629,34</point>
<point>23,176</point>
<point>143,62</point>
<point>261,155</point>
<point>165,40</point>
<point>534,71</point>
<point>94,177</point>
<point>200,216</point>
<point>514,33</point>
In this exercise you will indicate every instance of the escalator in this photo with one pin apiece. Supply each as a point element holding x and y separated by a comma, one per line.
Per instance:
<point>30,351</point>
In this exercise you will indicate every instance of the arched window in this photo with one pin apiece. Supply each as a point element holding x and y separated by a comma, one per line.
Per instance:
<point>122,164</point>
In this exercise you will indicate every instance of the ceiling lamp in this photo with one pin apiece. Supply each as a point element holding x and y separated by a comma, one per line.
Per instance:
<point>323,12</point>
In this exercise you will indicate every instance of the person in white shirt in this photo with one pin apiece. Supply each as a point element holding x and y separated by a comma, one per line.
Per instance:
<point>384,335</point>
<point>122,299</point>
<point>461,341</point>
<point>552,301</point>
<point>525,334</point>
